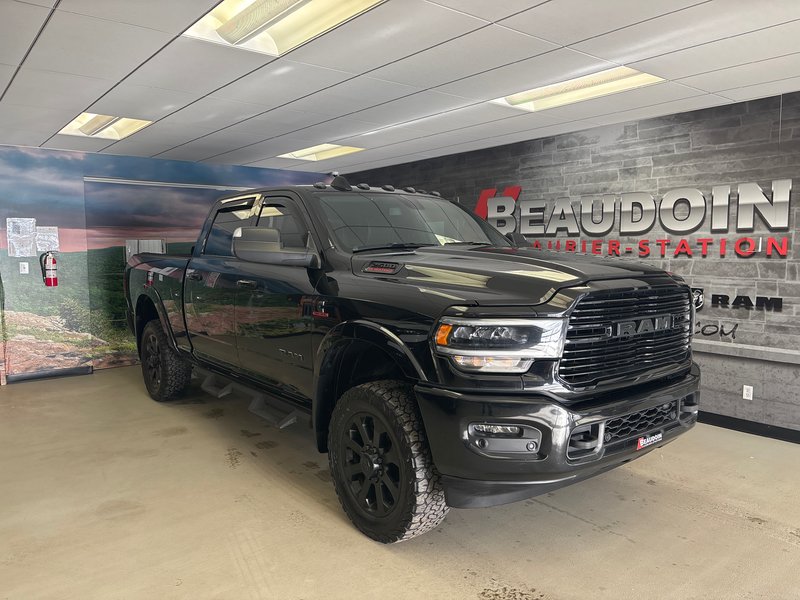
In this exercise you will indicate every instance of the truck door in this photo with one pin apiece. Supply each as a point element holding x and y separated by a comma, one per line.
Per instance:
<point>211,286</point>
<point>274,308</point>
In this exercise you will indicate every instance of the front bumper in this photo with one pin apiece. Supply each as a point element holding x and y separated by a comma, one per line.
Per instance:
<point>567,443</point>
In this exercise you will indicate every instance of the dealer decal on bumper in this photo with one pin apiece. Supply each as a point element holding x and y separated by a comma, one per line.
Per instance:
<point>648,440</point>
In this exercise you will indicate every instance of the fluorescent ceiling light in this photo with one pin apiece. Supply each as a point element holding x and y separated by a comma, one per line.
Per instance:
<point>274,26</point>
<point>320,152</point>
<point>611,81</point>
<point>103,126</point>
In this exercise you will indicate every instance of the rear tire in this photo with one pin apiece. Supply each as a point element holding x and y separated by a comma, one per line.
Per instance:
<point>381,464</point>
<point>166,374</point>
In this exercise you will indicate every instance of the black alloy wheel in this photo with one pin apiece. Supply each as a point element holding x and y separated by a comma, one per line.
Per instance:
<point>381,465</point>
<point>166,373</point>
<point>372,464</point>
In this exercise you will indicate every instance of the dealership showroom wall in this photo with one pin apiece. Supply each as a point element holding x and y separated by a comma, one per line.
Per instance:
<point>474,258</point>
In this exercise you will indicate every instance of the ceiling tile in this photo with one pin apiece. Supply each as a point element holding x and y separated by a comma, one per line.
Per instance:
<point>552,67</point>
<point>45,3</point>
<point>698,24</point>
<point>753,73</point>
<point>277,163</point>
<point>60,91</point>
<point>73,142</point>
<point>22,137</point>
<point>190,65</point>
<point>266,149</point>
<point>210,145</point>
<point>156,138</point>
<point>281,82</point>
<point>213,113</point>
<point>419,105</point>
<point>763,90</point>
<point>6,73</point>
<point>24,117</point>
<point>386,33</point>
<point>140,102</point>
<point>490,11</point>
<point>277,122</point>
<point>475,52</point>
<point>352,95</point>
<point>173,16</point>
<point>569,21</point>
<point>659,110</point>
<point>92,47</point>
<point>18,28</point>
<point>330,131</point>
<point>745,48</point>
<point>646,96</point>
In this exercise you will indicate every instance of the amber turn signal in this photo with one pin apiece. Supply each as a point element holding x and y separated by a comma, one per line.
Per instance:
<point>443,333</point>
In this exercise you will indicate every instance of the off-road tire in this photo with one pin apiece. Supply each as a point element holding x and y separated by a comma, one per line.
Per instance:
<point>403,467</point>
<point>166,374</point>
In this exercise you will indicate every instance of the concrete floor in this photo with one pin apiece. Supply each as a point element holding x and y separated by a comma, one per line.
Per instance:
<point>106,494</point>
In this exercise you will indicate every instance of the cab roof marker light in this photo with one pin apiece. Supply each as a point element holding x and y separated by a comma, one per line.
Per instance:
<point>596,85</point>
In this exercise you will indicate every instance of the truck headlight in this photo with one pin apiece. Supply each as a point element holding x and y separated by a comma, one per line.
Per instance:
<point>499,345</point>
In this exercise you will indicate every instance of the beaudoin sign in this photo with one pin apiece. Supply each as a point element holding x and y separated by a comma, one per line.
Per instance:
<point>634,214</point>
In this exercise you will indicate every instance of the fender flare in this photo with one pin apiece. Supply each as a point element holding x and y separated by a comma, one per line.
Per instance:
<point>328,360</point>
<point>154,297</point>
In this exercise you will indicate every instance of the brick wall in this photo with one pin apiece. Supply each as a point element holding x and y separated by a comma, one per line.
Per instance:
<point>756,141</point>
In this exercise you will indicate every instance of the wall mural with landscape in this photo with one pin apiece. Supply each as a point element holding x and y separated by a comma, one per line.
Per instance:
<point>104,207</point>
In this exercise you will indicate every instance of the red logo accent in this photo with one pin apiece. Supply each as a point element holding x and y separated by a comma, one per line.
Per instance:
<point>482,208</point>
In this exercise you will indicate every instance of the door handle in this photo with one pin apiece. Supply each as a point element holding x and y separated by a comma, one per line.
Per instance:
<point>194,276</point>
<point>246,283</point>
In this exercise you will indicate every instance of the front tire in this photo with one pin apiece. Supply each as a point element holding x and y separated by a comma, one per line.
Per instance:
<point>166,374</point>
<point>381,463</point>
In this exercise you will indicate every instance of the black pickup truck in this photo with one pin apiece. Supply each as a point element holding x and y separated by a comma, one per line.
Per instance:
<point>441,364</point>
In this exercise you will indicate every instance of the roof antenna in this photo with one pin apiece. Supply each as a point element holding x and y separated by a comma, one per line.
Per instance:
<point>340,183</point>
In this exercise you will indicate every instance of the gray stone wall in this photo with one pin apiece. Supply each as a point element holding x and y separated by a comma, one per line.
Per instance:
<point>757,141</point>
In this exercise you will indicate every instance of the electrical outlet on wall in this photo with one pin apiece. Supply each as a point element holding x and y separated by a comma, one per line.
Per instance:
<point>23,268</point>
<point>747,392</point>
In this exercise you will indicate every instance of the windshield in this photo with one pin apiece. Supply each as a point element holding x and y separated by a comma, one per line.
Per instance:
<point>363,221</point>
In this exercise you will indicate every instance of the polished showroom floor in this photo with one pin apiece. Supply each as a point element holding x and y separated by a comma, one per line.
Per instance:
<point>107,494</point>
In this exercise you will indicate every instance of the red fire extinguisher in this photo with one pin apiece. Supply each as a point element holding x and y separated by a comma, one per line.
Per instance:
<point>49,269</point>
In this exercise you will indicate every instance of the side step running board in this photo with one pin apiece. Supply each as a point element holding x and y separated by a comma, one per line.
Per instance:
<point>276,412</point>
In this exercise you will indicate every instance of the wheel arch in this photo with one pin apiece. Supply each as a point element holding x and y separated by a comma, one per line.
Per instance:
<point>149,307</point>
<point>353,353</point>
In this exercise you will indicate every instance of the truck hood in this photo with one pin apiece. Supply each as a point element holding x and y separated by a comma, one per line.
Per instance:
<point>493,275</point>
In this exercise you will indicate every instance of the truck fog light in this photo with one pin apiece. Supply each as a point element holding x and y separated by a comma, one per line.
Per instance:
<point>495,364</point>
<point>493,429</point>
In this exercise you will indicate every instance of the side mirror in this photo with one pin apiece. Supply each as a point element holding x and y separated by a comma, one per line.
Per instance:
<point>263,245</point>
<point>516,238</point>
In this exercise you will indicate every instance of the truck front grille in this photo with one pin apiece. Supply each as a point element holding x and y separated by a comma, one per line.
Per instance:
<point>636,424</point>
<point>614,334</point>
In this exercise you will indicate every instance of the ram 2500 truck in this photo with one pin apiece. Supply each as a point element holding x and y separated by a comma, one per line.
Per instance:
<point>441,365</point>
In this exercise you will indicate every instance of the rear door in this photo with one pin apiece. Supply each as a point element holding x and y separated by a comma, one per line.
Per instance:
<point>274,308</point>
<point>212,282</point>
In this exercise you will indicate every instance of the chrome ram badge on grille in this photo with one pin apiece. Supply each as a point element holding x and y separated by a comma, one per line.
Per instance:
<point>639,326</point>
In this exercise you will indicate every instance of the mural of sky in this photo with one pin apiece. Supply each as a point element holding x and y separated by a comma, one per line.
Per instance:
<point>98,202</point>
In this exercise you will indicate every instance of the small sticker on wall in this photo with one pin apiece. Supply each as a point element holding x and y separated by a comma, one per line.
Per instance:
<point>47,239</point>
<point>21,235</point>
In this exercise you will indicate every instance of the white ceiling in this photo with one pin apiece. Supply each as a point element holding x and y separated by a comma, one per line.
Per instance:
<point>407,80</point>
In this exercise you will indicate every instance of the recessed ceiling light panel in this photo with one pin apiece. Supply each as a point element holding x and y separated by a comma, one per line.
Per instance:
<point>105,127</point>
<point>320,152</point>
<point>274,26</point>
<point>610,81</point>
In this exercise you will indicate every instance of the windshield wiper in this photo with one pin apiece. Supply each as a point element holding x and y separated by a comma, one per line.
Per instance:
<point>392,246</point>
<point>468,244</point>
